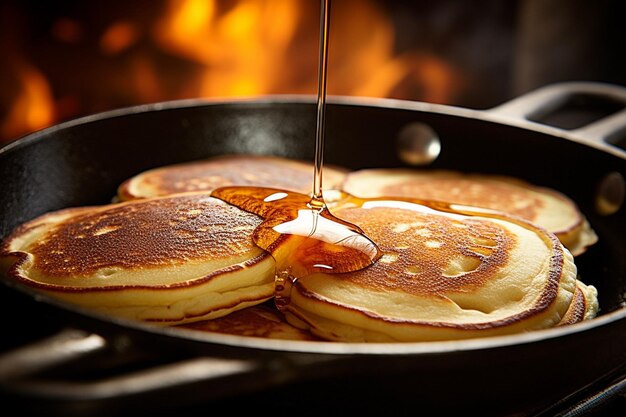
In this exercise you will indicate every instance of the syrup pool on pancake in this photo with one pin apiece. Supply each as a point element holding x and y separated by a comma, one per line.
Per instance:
<point>301,234</point>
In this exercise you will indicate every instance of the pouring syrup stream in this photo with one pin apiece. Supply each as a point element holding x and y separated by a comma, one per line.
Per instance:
<point>299,230</point>
<point>320,128</point>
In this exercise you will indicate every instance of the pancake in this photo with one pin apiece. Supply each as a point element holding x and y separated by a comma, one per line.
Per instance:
<point>584,306</point>
<point>442,276</point>
<point>165,260</point>
<point>238,170</point>
<point>257,321</point>
<point>543,206</point>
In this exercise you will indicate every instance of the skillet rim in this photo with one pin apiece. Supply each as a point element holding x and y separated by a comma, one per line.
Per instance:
<point>399,348</point>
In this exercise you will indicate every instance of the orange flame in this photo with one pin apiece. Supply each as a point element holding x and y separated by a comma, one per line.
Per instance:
<point>213,48</point>
<point>270,46</point>
<point>118,37</point>
<point>33,105</point>
<point>242,48</point>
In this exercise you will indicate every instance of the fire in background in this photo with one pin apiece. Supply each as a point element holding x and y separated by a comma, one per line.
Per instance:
<point>66,59</point>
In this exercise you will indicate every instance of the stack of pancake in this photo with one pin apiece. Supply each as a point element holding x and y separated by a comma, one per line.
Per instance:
<point>498,258</point>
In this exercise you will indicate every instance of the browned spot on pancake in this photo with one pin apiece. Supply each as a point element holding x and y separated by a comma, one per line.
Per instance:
<point>257,321</point>
<point>429,254</point>
<point>493,195</point>
<point>240,171</point>
<point>147,233</point>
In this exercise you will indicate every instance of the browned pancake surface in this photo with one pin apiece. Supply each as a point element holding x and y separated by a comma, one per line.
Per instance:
<point>540,205</point>
<point>239,170</point>
<point>517,201</point>
<point>166,260</point>
<point>477,248</point>
<point>160,232</point>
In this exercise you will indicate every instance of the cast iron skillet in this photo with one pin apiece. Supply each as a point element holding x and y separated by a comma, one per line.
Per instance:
<point>83,161</point>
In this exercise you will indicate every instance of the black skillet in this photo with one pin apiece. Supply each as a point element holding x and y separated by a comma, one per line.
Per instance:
<point>82,162</point>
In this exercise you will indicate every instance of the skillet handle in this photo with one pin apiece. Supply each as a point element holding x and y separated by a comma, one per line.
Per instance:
<point>545,100</point>
<point>26,370</point>
<point>65,346</point>
<point>53,370</point>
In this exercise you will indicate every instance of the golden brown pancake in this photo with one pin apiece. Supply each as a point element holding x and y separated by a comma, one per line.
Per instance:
<point>442,276</point>
<point>545,207</point>
<point>206,175</point>
<point>164,260</point>
<point>584,306</point>
<point>257,321</point>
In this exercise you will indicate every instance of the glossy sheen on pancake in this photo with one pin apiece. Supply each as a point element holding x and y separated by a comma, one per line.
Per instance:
<point>543,206</point>
<point>206,175</point>
<point>167,260</point>
<point>257,321</point>
<point>441,277</point>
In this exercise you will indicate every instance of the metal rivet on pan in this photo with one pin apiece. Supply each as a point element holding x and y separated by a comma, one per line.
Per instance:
<point>610,194</point>
<point>418,144</point>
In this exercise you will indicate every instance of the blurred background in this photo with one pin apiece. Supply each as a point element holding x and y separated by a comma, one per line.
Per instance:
<point>66,59</point>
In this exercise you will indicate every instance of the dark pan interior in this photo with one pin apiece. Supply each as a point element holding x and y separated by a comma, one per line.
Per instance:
<point>82,162</point>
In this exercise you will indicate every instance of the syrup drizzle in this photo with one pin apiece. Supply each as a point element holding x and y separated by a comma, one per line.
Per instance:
<point>299,230</point>
<point>303,240</point>
<point>320,128</point>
